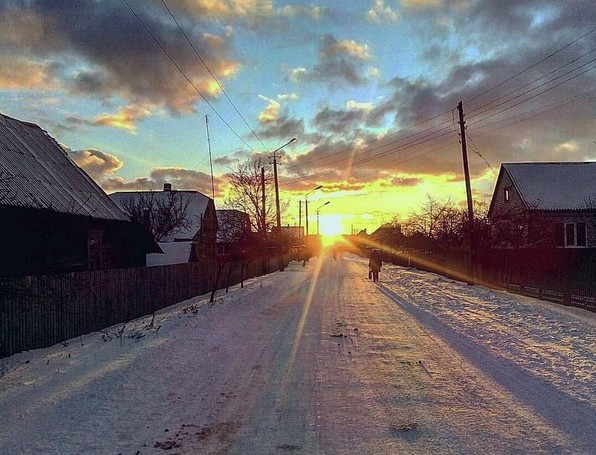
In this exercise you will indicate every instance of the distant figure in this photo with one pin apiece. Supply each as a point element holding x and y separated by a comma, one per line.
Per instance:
<point>374,264</point>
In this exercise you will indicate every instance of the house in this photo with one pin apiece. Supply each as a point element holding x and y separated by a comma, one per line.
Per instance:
<point>544,204</point>
<point>234,235</point>
<point>55,218</point>
<point>387,237</point>
<point>183,222</point>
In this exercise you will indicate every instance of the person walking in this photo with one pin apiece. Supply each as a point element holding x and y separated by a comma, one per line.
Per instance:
<point>374,264</point>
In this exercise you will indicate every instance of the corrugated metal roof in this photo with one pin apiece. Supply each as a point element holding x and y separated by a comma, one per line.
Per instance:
<point>197,205</point>
<point>555,186</point>
<point>36,172</point>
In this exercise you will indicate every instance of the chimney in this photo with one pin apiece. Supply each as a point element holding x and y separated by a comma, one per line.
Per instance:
<point>167,187</point>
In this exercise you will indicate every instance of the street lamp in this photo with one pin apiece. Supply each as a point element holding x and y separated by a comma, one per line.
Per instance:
<point>278,212</point>
<point>320,207</point>
<point>306,205</point>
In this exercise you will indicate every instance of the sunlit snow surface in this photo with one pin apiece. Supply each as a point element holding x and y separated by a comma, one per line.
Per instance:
<point>550,341</point>
<point>153,385</point>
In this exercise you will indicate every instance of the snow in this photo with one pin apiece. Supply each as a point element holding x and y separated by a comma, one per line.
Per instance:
<point>316,359</point>
<point>173,253</point>
<point>555,186</point>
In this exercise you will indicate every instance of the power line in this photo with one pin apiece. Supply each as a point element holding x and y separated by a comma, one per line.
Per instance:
<point>532,65</point>
<point>148,30</point>
<point>197,53</point>
<point>532,82</point>
<point>522,117</point>
<point>534,96</point>
<point>372,148</point>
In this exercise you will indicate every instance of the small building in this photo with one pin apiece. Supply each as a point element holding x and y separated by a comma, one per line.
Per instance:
<point>55,218</point>
<point>544,204</point>
<point>189,237</point>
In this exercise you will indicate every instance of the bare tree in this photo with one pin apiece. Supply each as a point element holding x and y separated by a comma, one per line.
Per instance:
<point>161,216</point>
<point>246,194</point>
<point>427,219</point>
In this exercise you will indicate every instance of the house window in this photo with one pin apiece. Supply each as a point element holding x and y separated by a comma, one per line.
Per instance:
<point>570,234</point>
<point>507,195</point>
<point>580,236</point>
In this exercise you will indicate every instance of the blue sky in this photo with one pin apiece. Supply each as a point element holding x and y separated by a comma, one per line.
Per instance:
<point>367,87</point>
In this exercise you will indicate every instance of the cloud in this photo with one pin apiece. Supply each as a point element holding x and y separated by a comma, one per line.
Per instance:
<point>96,163</point>
<point>126,118</point>
<point>102,168</point>
<point>331,47</point>
<point>422,3</point>
<point>104,51</point>
<point>339,121</point>
<point>251,13</point>
<point>181,179</point>
<point>284,127</point>
<point>356,106</point>
<point>20,73</point>
<point>271,112</point>
<point>382,13</point>
<point>338,60</point>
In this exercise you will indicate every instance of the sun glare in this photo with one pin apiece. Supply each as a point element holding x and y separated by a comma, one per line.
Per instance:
<point>330,226</point>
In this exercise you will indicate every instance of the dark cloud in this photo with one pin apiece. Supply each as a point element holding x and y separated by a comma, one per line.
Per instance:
<point>338,61</point>
<point>339,121</point>
<point>114,54</point>
<point>181,179</point>
<point>283,127</point>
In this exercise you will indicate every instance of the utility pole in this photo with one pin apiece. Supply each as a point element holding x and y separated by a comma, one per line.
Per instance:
<point>276,183</point>
<point>464,150</point>
<point>263,214</point>
<point>277,209</point>
<point>299,218</point>
<point>210,160</point>
<point>306,215</point>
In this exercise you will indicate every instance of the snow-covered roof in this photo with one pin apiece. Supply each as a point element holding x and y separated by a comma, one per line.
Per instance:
<point>197,205</point>
<point>36,172</point>
<point>173,253</point>
<point>555,186</point>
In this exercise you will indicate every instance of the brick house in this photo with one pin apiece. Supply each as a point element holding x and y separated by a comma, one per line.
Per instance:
<point>544,204</point>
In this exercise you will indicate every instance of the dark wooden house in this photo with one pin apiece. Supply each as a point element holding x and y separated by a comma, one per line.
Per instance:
<point>55,218</point>
<point>550,205</point>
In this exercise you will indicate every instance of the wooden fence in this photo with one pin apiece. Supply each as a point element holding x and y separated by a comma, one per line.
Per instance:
<point>40,311</point>
<point>561,275</point>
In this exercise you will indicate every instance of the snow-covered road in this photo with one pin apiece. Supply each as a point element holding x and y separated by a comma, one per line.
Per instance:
<point>316,360</point>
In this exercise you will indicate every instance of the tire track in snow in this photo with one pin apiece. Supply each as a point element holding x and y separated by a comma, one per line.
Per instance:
<point>561,412</point>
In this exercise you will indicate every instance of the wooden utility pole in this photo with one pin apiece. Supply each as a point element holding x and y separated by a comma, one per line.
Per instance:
<point>210,159</point>
<point>300,218</point>
<point>464,151</point>
<point>263,212</point>
<point>277,209</point>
